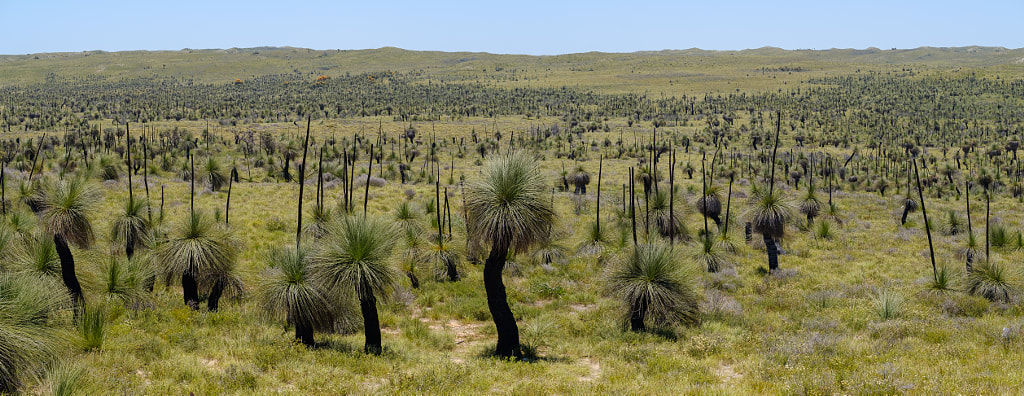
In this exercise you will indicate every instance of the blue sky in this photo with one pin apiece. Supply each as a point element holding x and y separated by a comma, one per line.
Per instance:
<point>509,27</point>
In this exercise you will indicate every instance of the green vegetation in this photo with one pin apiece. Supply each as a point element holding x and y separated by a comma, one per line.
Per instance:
<point>544,195</point>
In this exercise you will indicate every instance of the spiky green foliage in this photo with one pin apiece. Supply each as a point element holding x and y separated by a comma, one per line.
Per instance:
<point>213,174</point>
<point>770,213</point>
<point>407,216</point>
<point>66,378</point>
<point>810,206</point>
<point>443,255</point>
<point>992,281</point>
<point>943,281</point>
<point>318,218</point>
<point>823,230</point>
<point>197,246</point>
<point>131,226</point>
<point>708,254</point>
<point>67,205</point>
<point>509,202</point>
<point>998,235</point>
<point>92,327</point>
<point>888,304</point>
<point>287,291</point>
<point>123,280</point>
<point>39,257</point>
<point>109,170</point>
<point>651,277</point>
<point>661,216</point>
<point>955,224</point>
<point>354,256</point>
<point>28,339</point>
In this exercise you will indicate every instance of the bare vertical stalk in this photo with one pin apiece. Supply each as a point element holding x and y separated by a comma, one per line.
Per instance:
<point>927,227</point>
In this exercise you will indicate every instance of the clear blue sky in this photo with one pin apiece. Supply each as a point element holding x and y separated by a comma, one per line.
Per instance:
<point>509,27</point>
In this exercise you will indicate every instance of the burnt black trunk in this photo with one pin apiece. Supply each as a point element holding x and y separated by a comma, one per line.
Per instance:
<point>371,325</point>
<point>906,211</point>
<point>304,334</point>
<point>638,311</point>
<point>413,279</point>
<point>67,269</point>
<point>213,302</point>
<point>497,303</point>
<point>773,253</point>
<point>453,271</point>
<point>190,290</point>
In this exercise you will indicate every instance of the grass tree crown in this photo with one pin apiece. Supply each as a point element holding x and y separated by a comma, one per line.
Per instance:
<point>508,203</point>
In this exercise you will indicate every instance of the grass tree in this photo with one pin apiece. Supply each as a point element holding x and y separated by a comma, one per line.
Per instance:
<point>289,291</point>
<point>28,340</point>
<point>507,207</point>
<point>770,210</point>
<point>655,287</point>
<point>131,230</point>
<point>197,249</point>
<point>66,207</point>
<point>353,257</point>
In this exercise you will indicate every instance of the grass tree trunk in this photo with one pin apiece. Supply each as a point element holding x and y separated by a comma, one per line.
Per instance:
<point>304,334</point>
<point>637,314</point>
<point>497,303</point>
<point>67,269</point>
<point>213,302</point>
<point>773,252</point>
<point>371,325</point>
<point>190,290</point>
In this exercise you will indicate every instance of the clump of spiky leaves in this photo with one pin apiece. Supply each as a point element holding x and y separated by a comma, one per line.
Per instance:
<point>124,280</point>
<point>662,217</point>
<point>407,216</point>
<point>833,213</point>
<point>66,205</point>
<point>710,205</point>
<point>21,223</point>
<point>66,378</point>
<point>91,326</point>
<point>198,250</point>
<point>970,251</point>
<point>318,218</point>
<point>197,247</point>
<point>7,243</point>
<point>131,229</point>
<point>30,193</point>
<point>28,340</point>
<point>353,258</point>
<point>992,281</point>
<point>551,250</point>
<point>444,257</point>
<point>580,179</point>
<point>213,174</point>
<point>770,213</point>
<point>955,224</point>
<point>823,230</point>
<point>287,292</point>
<point>39,257</point>
<point>943,281</point>
<point>109,169</point>
<point>810,206</point>
<point>888,303</point>
<point>655,286</point>
<point>708,254</point>
<point>998,235</point>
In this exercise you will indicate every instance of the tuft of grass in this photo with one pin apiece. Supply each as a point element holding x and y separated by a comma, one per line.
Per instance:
<point>888,304</point>
<point>66,378</point>
<point>990,280</point>
<point>943,281</point>
<point>92,327</point>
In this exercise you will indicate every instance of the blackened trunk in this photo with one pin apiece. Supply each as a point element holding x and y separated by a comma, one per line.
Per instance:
<point>773,253</point>
<point>67,269</point>
<point>906,211</point>
<point>748,232</point>
<point>304,334</point>
<point>638,311</point>
<point>190,290</point>
<point>213,302</point>
<point>129,246</point>
<point>497,303</point>
<point>453,271</point>
<point>371,325</point>
<point>413,279</point>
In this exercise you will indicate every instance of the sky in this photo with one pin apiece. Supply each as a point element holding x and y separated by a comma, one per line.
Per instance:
<point>506,27</point>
